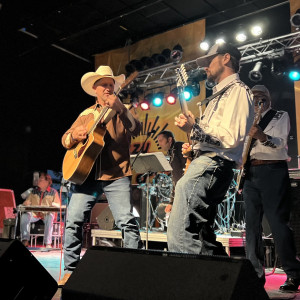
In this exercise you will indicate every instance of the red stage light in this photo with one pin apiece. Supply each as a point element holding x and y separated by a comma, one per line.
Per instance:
<point>171,99</point>
<point>145,105</point>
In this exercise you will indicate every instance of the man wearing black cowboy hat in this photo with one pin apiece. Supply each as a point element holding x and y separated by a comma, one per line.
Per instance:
<point>111,174</point>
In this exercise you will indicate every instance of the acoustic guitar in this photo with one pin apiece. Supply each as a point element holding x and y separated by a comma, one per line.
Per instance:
<point>79,160</point>
<point>243,170</point>
<point>181,82</point>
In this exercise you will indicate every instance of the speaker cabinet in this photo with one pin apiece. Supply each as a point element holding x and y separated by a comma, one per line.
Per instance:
<point>106,220</point>
<point>119,273</point>
<point>22,276</point>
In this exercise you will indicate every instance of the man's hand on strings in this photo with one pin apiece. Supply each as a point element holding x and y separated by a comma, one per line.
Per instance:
<point>79,133</point>
<point>185,123</point>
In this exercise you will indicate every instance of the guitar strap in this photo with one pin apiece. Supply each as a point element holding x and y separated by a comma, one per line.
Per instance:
<point>221,92</point>
<point>266,119</point>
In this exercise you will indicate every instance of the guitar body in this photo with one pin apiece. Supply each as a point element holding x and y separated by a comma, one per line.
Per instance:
<point>79,160</point>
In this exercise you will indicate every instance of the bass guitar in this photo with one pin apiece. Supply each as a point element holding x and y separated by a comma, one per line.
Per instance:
<point>243,170</point>
<point>79,160</point>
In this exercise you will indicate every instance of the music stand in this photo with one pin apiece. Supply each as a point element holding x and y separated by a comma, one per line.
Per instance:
<point>146,163</point>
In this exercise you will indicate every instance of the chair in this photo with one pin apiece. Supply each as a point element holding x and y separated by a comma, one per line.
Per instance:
<point>58,228</point>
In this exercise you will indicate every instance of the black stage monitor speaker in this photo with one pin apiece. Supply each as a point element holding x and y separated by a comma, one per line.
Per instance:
<point>119,273</point>
<point>22,277</point>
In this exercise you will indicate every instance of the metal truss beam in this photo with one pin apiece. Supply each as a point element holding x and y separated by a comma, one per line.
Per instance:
<point>271,48</point>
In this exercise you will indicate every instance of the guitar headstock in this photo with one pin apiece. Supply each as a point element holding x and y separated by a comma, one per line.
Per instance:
<point>129,79</point>
<point>258,114</point>
<point>181,76</point>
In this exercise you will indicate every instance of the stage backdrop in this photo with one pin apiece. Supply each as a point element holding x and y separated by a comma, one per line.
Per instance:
<point>295,5</point>
<point>159,118</point>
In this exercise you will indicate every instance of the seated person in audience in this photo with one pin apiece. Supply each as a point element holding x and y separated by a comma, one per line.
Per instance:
<point>42,195</point>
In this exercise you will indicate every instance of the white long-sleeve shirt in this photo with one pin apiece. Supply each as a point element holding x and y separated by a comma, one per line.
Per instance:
<point>276,147</point>
<point>227,120</point>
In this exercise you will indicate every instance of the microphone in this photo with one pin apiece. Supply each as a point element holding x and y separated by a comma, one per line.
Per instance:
<point>25,194</point>
<point>36,177</point>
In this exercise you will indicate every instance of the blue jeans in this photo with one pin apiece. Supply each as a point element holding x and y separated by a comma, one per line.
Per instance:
<point>84,197</point>
<point>197,194</point>
<point>27,218</point>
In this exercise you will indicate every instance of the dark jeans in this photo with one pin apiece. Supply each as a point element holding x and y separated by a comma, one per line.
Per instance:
<point>266,192</point>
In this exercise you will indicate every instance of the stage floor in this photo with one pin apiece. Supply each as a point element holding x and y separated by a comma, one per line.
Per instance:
<point>53,262</point>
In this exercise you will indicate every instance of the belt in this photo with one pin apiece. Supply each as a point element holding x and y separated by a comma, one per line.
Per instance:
<point>258,162</point>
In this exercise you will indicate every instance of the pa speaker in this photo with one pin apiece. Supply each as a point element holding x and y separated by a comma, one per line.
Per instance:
<point>22,277</point>
<point>106,220</point>
<point>119,273</point>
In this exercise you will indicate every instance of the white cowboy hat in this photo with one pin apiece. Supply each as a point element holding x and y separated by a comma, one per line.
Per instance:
<point>88,79</point>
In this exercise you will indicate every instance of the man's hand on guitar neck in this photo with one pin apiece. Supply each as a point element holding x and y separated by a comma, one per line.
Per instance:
<point>186,150</point>
<point>113,102</point>
<point>185,123</point>
<point>257,133</point>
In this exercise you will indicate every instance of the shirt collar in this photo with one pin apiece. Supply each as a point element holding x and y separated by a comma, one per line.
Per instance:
<point>225,82</point>
<point>48,189</point>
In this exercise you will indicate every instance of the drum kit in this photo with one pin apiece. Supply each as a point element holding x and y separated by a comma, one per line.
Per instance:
<point>160,194</point>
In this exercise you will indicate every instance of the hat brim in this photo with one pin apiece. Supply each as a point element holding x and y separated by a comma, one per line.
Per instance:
<point>204,61</point>
<point>88,80</point>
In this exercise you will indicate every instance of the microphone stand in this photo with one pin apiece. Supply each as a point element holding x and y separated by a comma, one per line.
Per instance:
<point>147,180</point>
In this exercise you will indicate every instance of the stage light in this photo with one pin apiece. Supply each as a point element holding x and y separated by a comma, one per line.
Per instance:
<point>188,93</point>
<point>294,75</point>
<point>145,105</point>
<point>176,54</point>
<point>134,65</point>
<point>241,37</point>
<point>204,46</point>
<point>220,41</point>
<point>148,62</point>
<point>255,74</point>
<point>166,53</point>
<point>171,99</point>
<point>295,19</point>
<point>294,71</point>
<point>256,30</point>
<point>157,99</point>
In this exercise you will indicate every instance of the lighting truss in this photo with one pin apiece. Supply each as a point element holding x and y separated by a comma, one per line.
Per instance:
<point>165,75</point>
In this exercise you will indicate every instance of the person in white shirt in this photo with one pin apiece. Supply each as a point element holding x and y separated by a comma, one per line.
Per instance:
<point>266,190</point>
<point>218,140</point>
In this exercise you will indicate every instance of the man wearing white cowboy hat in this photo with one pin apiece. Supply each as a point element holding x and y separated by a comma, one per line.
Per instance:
<point>111,173</point>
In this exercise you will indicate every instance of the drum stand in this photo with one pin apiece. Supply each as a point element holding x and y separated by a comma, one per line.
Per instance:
<point>148,163</point>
